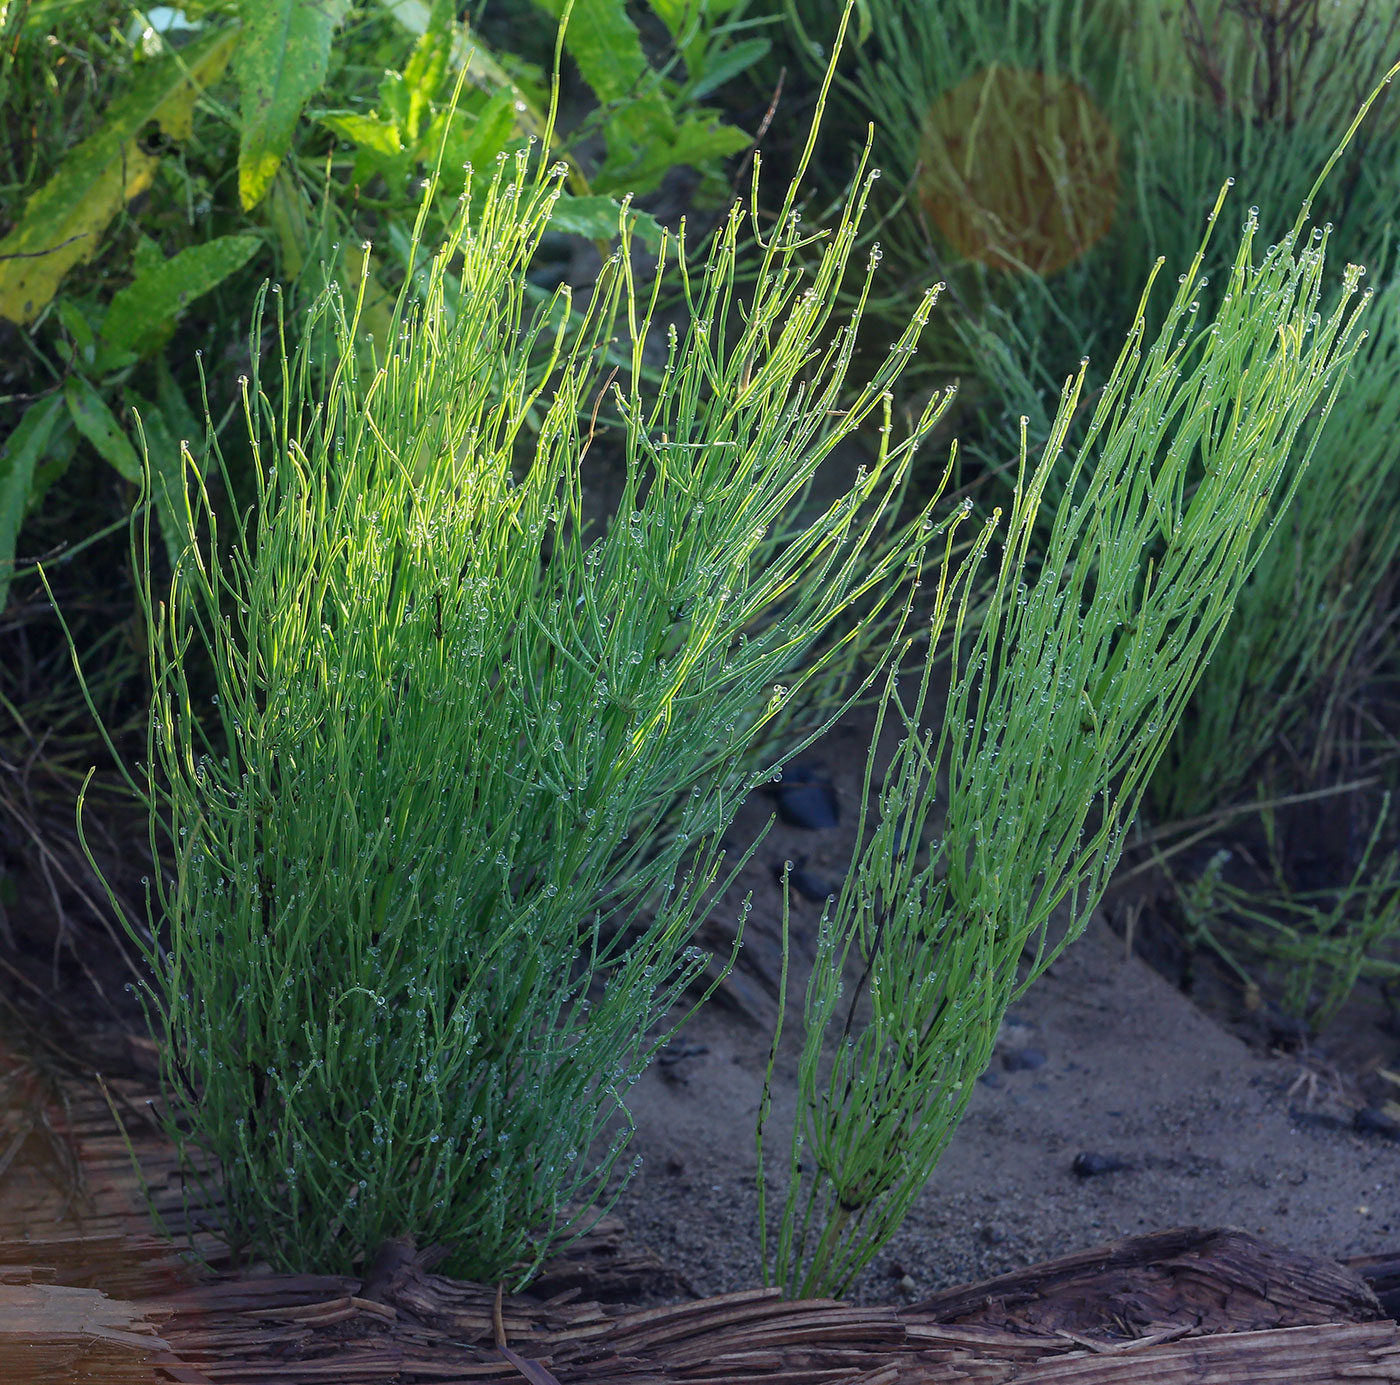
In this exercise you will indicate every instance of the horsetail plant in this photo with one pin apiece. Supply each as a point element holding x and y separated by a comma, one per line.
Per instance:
<point>1060,705</point>
<point>447,816</point>
<point>1311,623</point>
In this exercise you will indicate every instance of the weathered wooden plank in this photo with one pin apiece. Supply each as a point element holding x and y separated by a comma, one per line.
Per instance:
<point>37,1313</point>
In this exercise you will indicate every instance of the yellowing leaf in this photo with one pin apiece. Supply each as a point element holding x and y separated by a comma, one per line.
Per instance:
<point>281,62</point>
<point>62,224</point>
<point>367,131</point>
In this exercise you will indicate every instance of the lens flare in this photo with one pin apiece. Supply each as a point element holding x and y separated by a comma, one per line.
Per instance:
<point>1019,169</point>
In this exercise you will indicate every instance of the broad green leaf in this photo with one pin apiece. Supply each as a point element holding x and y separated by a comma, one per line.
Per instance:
<point>727,65</point>
<point>597,218</point>
<point>367,132</point>
<point>288,212</point>
<point>95,420</point>
<point>188,428</point>
<point>44,16</point>
<point>474,141</point>
<point>605,44</point>
<point>58,457</point>
<point>674,14</point>
<point>77,326</point>
<point>19,456</point>
<point>643,134</point>
<point>146,256</point>
<point>281,63</point>
<point>167,469</point>
<point>678,15</point>
<point>142,315</point>
<point>486,72</point>
<point>62,224</point>
<point>700,140</point>
<point>484,69</point>
<point>393,98</point>
<point>704,137</point>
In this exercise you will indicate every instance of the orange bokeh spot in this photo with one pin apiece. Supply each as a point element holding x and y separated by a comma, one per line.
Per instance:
<point>1019,169</point>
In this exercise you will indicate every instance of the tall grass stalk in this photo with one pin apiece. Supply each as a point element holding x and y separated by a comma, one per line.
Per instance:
<point>1060,706</point>
<point>447,817</point>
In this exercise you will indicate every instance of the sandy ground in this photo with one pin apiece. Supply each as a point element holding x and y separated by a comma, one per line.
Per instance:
<point>1211,1131</point>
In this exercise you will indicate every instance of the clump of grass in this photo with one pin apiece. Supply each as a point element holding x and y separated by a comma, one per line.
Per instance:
<point>1307,947</point>
<point>1061,705</point>
<point>446,820</point>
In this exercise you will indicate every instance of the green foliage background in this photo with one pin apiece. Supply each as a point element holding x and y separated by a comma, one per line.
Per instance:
<point>386,636</point>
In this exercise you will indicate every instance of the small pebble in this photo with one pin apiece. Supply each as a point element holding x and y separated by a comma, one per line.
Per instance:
<point>810,806</point>
<point>1015,1032</point>
<point>1088,1164</point>
<point>1316,1120</point>
<point>805,799</point>
<point>1023,1059</point>
<point>1371,1120</point>
<point>678,1053</point>
<point>1287,1031</point>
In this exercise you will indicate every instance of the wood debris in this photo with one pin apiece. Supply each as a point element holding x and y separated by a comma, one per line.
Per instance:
<point>88,1292</point>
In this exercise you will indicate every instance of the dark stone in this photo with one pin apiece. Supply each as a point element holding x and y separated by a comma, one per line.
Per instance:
<point>808,883</point>
<point>669,1060</point>
<point>1023,1060</point>
<point>990,1078</point>
<point>1287,1032</point>
<point>796,773</point>
<point>1087,1164</point>
<point>806,798</point>
<point>1315,1120</point>
<point>678,1053</point>
<point>809,806</point>
<point>1371,1120</point>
